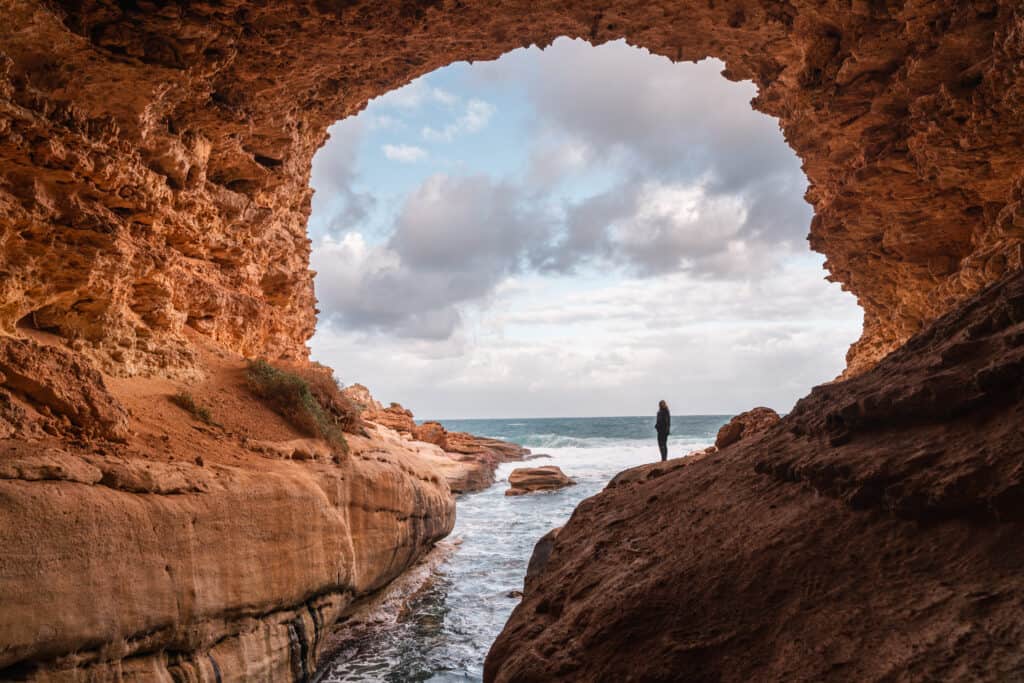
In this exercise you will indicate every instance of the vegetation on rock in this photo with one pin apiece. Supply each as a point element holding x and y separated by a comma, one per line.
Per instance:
<point>308,398</point>
<point>188,403</point>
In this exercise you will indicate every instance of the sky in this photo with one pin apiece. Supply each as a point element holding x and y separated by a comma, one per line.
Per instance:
<point>578,231</point>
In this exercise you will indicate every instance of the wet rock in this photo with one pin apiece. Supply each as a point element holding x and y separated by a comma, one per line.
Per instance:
<point>533,479</point>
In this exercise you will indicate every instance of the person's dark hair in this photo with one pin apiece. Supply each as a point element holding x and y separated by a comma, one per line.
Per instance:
<point>662,404</point>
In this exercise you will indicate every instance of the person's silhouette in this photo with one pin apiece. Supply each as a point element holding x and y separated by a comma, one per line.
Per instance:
<point>663,426</point>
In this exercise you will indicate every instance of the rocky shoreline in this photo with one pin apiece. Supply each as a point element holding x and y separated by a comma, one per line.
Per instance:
<point>468,461</point>
<point>870,534</point>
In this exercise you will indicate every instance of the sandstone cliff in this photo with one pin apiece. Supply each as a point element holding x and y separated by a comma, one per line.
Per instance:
<point>154,163</point>
<point>143,542</point>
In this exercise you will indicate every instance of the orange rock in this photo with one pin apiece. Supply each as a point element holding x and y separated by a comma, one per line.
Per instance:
<point>432,432</point>
<point>474,458</point>
<point>532,479</point>
<point>164,173</point>
<point>154,191</point>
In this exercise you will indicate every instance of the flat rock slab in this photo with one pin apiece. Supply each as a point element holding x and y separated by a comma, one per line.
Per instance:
<point>531,479</point>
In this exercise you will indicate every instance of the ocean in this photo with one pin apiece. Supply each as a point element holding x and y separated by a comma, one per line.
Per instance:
<point>446,629</point>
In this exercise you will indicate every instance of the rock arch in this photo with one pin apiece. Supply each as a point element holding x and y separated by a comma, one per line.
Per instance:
<point>154,163</point>
<point>157,155</point>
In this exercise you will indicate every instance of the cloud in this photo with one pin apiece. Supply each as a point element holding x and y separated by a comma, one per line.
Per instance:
<point>694,181</point>
<point>476,116</point>
<point>454,240</point>
<point>407,154</point>
<point>418,93</point>
<point>337,205</point>
<point>671,224</point>
<point>644,119</point>
<point>614,349</point>
<point>650,244</point>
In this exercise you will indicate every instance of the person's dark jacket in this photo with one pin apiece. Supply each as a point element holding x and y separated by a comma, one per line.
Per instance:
<point>664,421</point>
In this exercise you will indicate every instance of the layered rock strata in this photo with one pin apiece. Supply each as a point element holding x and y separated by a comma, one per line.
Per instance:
<point>154,166</point>
<point>143,543</point>
<point>871,534</point>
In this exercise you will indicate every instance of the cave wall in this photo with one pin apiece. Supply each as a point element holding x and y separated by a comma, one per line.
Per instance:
<point>155,157</point>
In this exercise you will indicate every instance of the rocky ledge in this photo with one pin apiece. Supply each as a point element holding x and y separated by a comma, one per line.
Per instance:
<point>469,461</point>
<point>200,539</point>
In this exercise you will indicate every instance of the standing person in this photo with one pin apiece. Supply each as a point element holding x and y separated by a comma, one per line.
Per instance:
<point>663,426</point>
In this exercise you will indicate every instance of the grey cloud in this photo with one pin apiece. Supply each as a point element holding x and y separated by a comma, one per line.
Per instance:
<point>455,239</point>
<point>659,120</point>
<point>660,116</point>
<point>336,205</point>
<point>658,127</point>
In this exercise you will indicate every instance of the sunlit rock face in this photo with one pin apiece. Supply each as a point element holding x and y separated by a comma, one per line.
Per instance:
<point>155,160</point>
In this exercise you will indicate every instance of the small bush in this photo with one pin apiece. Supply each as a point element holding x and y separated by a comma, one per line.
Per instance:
<point>304,400</point>
<point>327,392</point>
<point>187,402</point>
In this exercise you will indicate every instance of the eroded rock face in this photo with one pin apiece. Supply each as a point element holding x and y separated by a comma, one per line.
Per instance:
<point>872,534</point>
<point>209,550</point>
<point>69,390</point>
<point>154,164</point>
<point>126,561</point>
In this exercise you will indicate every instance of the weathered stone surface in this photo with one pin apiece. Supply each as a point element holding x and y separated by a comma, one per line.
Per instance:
<point>154,167</point>
<point>541,554</point>
<point>525,480</point>
<point>745,425</point>
<point>61,384</point>
<point>432,432</point>
<point>873,534</point>
<point>159,160</point>
<point>187,571</point>
<point>182,551</point>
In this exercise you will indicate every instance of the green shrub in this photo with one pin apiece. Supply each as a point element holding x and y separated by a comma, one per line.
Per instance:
<point>187,402</point>
<point>305,401</point>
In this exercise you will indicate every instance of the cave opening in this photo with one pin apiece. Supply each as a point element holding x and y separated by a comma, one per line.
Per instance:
<point>571,231</point>
<point>538,249</point>
<point>154,180</point>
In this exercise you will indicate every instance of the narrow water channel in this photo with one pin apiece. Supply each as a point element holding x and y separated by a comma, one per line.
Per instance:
<point>446,630</point>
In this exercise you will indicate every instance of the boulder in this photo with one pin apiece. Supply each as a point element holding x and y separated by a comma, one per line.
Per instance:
<point>432,432</point>
<point>531,479</point>
<point>745,425</point>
